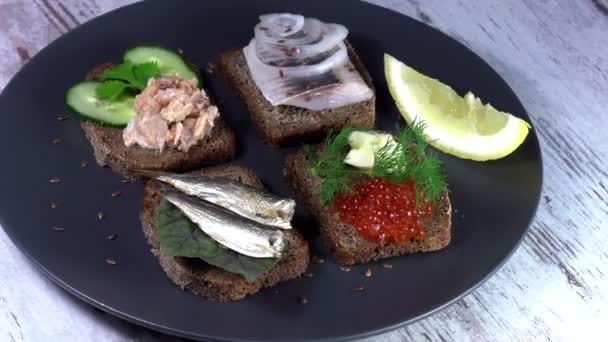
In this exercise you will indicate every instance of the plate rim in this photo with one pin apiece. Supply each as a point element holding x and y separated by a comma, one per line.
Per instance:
<point>387,328</point>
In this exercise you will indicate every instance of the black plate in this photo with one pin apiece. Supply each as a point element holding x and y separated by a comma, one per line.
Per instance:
<point>495,202</point>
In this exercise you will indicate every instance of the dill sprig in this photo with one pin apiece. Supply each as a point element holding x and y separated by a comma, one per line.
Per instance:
<point>329,165</point>
<point>394,163</point>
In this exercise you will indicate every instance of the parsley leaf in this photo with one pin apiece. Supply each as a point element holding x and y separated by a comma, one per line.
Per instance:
<point>144,72</point>
<point>123,72</point>
<point>110,90</point>
<point>124,76</point>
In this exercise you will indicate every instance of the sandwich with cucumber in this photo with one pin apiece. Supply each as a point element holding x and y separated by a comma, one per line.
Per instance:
<point>150,112</point>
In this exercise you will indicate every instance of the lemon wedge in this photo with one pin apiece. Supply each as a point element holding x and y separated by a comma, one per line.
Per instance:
<point>460,126</point>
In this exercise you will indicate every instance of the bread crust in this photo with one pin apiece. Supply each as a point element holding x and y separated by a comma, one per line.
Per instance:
<point>110,150</point>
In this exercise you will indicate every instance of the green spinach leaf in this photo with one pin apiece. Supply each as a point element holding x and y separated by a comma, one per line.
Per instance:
<point>178,236</point>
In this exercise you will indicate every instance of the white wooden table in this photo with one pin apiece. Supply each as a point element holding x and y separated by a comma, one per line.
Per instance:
<point>554,53</point>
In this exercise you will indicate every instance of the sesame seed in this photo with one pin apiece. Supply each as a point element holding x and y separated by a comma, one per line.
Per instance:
<point>317,259</point>
<point>210,68</point>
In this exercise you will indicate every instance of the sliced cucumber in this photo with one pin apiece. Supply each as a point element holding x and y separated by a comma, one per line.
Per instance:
<point>83,100</point>
<point>170,63</point>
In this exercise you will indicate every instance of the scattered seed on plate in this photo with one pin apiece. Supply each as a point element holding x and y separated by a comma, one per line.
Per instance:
<point>359,288</point>
<point>111,261</point>
<point>367,272</point>
<point>344,268</point>
<point>309,274</point>
<point>54,205</point>
<point>84,163</point>
<point>302,300</point>
<point>55,180</point>
<point>387,265</point>
<point>210,68</point>
<point>116,193</point>
<point>58,229</point>
<point>100,215</point>
<point>56,141</point>
<point>317,259</point>
<point>112,237</point>
<point>62,118</point>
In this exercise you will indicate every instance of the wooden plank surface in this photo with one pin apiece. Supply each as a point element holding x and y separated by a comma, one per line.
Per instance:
<point>554,53</point>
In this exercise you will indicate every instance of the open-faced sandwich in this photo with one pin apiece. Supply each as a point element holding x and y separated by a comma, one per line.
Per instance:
<point>299,78</point>
<point>149,112</point>
<point>374,195</point>
<point>219,234</point>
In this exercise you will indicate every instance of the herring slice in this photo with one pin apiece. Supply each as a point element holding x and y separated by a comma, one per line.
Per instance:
<point>303,62</point>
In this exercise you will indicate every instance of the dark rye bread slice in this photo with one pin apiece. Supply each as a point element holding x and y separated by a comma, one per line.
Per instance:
<point>110,150</point>
<point>280,125</point>
<point>210,281</point>
<point>342,239</point>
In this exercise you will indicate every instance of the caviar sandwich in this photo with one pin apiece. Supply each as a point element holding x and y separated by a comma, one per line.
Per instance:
<point>374,195</point>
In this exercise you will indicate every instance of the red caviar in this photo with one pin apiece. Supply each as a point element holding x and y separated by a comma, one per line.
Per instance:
<point>383,212</point>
